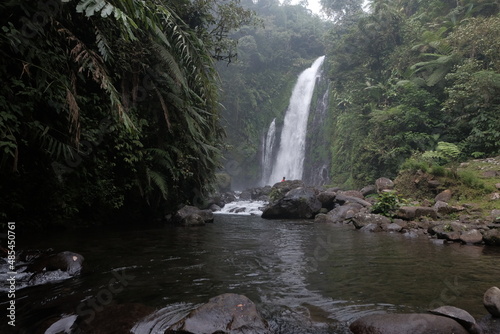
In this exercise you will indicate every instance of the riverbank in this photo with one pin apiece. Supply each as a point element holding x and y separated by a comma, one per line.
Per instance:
<point>460,204</point>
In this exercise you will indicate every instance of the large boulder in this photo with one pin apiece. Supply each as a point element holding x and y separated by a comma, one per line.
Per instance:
<point>225,314</point>
<point>344,212</point>
<point>414,212</point>
<point>286,186</point>
<point>444,196</point>
<point>491,301</point>
<point>414,323</point>
<point>383,184</point>
<point>492,237</point>
<point>192,216</point>
<point>297,203</point>
<point>327,199</point>
<point>461,316</point>
<point>362,219</point>
<point>471,237</point>
<point>342,199</point>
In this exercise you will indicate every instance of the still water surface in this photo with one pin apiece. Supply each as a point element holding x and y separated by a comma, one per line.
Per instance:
<point>304,277</point>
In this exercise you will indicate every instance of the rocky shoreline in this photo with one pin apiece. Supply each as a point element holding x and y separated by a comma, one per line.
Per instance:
<point>435,217</point>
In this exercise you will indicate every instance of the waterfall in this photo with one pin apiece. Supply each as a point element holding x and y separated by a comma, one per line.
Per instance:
<point>318,157</point>
<point>290,159</point>
<point>267,151</point>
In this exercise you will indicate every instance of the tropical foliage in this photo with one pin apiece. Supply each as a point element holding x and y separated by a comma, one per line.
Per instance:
<point>410,77</point>
<point>110,106</point>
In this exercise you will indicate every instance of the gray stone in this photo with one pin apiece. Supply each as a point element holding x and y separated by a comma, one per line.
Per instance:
<point>69,262</point>
<point>342,199</point>
<point>362,219</point>
<point>490,173</point>
<point>327,199</point>
<point>384,183</point>
<point>352,193</point>
<point>461,316</point>
<point>492,237</point>
<point>491,301</point>
<point>471,237</point>
<point>368,190</point>
<point>413,323</point>
<point>371,227</point>
<point>444,196</point>
<point>192,216</point>
<point>413,212</point>
<point>393,227</point>
<point>296,204</point>
<point>344,212</point>
<point>228,313</point>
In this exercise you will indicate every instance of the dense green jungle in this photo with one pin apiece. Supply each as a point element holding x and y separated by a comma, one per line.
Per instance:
<point>122,110</point>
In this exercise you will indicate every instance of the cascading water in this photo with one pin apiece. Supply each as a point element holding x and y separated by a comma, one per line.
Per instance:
<point>267,151</point>
<point>317,156</point>
<point>290,159</point>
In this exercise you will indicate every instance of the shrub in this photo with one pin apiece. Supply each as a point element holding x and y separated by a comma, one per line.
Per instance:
<point>388,203</point>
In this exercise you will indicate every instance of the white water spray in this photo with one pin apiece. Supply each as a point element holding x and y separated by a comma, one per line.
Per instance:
<point>290,159</point>
<point>267,152</point>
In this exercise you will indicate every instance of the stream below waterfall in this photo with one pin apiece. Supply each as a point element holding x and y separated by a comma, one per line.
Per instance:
<point>304,277</point>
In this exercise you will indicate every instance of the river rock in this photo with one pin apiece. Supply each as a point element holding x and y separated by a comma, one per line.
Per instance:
<point>344,212</point>
<point>327,199</point>
<point>226,314</point>
<point>352,193</point>
<point>461,316</point>
<point>413,212</point>
<point>471,237</point>
<point>368,190</point>
<point>297,203</point>
<point>371,227</point>
<point>414,323</point>
<point>362,219</point>
<point>444,196</point>
<point>492,237</point>
<point>393,227</point>
<point>383,184</point>
<point>491,301</point>
<point>281,188</point>
<point>261,193</point>
<point>192,216</point>
<point>342,199</point>
<point>64,261</point>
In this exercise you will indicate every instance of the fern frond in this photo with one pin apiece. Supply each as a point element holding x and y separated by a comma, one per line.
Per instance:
<point>159,180</point>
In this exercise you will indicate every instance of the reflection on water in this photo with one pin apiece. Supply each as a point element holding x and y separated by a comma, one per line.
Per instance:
<point>304,277</point>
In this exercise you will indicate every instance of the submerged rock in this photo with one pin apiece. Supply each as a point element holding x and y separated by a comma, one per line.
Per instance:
<point>192,216</point>
<point>225,314</point>
<point>491,301</point>
<point>414,323</point>
<point>64,261</point>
